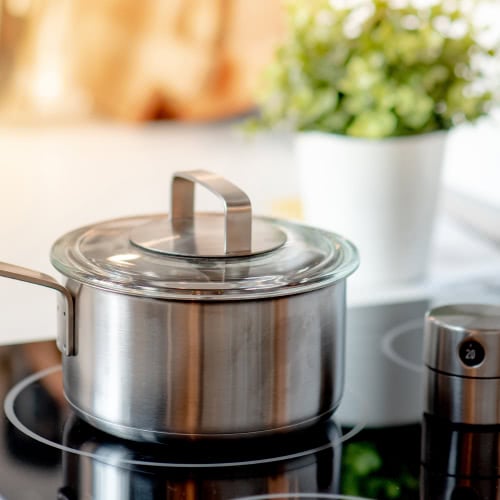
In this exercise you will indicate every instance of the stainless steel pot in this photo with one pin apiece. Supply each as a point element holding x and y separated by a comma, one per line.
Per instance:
<point>200,325</point>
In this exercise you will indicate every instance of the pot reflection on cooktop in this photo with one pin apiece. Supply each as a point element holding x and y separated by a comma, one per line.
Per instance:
<point>218,470</point>
<point>46,452</point>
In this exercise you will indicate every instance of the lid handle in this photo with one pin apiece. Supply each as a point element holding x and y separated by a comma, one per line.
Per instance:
<point>237,207</point>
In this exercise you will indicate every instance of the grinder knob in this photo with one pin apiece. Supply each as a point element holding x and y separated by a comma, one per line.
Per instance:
<point>462,358</point>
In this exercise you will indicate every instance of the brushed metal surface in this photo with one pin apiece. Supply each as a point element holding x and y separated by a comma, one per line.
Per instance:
<point>237,207</point>
<point>447,327</point>
<point>226,234</point>
<point>461,399</point>
<point>65,307</point>
<point>462,354</point>
<point>153,368</point>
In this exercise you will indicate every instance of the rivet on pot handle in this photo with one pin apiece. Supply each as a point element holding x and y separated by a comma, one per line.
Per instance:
<point>66,336</point>
<point>237,206</point>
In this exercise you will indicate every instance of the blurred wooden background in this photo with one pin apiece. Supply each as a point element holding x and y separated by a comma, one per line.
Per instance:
<point>133,61</point>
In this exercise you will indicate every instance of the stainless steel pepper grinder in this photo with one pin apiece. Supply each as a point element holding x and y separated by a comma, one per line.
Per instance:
<point>462,358</point>
<point>460,429</point>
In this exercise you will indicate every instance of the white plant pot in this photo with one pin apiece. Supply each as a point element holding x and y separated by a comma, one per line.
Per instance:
<point>381,194</point>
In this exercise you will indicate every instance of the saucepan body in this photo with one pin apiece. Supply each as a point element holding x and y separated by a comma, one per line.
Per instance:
<point>147,368</point>
<point>200,325</point>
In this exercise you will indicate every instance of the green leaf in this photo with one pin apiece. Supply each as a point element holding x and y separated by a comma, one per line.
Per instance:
<point>373,124</point>
<point>376,69</point>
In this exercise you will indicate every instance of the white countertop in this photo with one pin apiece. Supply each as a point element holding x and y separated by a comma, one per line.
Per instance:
<point>56,179</point>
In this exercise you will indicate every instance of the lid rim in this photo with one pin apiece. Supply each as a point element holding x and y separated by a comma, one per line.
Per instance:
<point>340,258</point>
<point>201,296</point>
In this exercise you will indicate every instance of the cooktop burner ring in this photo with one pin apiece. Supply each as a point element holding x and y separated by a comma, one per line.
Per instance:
<point>31,380</point>
<point>390,338</point>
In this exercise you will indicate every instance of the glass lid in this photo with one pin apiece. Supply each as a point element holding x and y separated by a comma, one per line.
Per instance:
<point>204,256</point>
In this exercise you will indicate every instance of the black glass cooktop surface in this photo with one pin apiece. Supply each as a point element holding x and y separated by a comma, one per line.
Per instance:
<point>47,452</point>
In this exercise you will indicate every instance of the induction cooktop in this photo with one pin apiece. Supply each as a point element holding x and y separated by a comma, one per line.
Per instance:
<point>47,452</point>
<point>380,446</point>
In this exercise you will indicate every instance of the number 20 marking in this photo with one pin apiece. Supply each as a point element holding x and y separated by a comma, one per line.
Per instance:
<point>470,354</point>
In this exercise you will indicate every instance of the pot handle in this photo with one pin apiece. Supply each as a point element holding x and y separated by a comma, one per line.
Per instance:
<point>237,206</point>
<point>66,335</point>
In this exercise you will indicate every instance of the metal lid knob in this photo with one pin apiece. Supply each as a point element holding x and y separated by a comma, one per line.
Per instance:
<point>186,233</point>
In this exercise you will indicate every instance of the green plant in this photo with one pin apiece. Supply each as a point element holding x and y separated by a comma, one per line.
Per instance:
<point>363,474</point>
<point>379,68</point>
